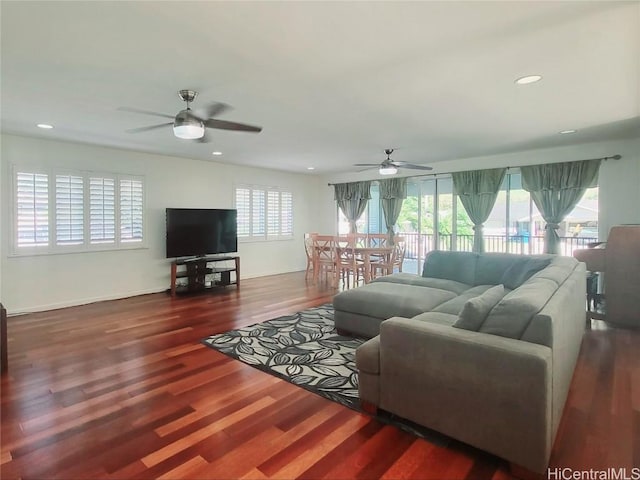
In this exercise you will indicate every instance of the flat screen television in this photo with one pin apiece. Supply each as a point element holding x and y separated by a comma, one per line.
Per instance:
<point>201,231</point>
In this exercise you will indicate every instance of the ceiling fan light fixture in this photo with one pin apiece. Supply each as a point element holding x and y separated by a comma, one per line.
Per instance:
<point>388,170</point>
<point>188,132</point>
<point>187,127</point>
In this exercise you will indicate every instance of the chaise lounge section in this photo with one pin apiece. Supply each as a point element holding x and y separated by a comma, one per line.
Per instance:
<point>480,347</point>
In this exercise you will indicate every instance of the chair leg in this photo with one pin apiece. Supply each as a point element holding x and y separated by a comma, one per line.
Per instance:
<point>308,271</point>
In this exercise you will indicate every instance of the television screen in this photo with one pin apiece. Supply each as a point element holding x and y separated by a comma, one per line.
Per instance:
<point>200,231</point>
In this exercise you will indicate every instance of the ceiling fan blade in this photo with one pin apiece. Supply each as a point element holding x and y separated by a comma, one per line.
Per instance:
<point>210,110</point>
<point>366,164</point>
<point>145,112</point>
<point>224,125</point>
<point>415,167</point>
<point>150,127</point>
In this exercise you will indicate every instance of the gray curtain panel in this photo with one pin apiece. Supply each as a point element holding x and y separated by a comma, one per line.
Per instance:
<point>556,188</point>
<point>393,191</point>
<point>352,199</point>
<point>478,190</point>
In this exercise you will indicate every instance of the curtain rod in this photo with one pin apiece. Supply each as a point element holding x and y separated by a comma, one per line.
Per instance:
<point>612,157</point>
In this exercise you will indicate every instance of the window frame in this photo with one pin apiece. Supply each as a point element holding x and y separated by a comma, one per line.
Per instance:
<point>52,247</point>
<point>265,236</point>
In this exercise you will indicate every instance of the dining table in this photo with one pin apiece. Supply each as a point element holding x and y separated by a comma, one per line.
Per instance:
<point>343,247</point>
<point>366,253</point>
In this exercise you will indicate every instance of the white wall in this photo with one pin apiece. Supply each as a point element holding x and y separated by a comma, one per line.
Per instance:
<point>44,282</point>
<point>52,281</point>
<point>619,180</point>
<point>620,188</point>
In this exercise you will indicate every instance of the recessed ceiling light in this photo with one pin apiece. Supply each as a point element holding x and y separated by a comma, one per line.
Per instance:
<point>565,132</point>
<point>216,153</point>
<point>44,125</point>
<point>311,168</point>
<point>528,79</point>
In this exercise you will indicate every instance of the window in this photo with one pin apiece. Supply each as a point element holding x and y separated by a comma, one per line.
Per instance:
<point>102,210</point>
<point>264,213</point>
<point>59,212</point>
<point>69,210</point>
<point>32,209</point>
<point>131,210</point>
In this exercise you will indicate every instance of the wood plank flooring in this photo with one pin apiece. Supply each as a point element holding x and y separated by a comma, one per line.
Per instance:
<point>123,389</point>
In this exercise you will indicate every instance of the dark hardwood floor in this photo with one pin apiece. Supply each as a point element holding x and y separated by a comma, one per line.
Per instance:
<point>123,389</point>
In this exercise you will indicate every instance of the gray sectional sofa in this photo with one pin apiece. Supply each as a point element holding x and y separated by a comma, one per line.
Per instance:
<point>480,347</point>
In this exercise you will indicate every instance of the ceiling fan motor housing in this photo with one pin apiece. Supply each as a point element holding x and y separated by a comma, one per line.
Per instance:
<point>188,95</point>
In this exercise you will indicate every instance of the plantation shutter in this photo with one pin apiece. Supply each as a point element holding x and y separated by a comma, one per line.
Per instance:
<point>243,206</point>
<point>32,209</point>
<point>258,213</point>
<point>131,207</point>
<point>102,214</point>
<point>286,214</point>
<point>273,213</point>
<point>69,210</point>
<point>264,212</point>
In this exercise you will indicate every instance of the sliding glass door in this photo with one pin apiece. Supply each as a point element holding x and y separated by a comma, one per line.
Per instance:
<point>433,217</point>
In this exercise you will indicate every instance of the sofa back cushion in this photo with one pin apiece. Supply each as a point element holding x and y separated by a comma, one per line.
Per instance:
<point>491,267</point>
<point>458,266</point>
<point>558,270</point>
<point>522,269</point>
<point>475,310</point>
<point>512,315</point>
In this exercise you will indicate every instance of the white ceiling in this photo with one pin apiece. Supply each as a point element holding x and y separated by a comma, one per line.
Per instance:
<point>331,83</point>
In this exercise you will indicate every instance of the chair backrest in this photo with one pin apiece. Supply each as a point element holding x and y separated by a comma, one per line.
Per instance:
<point>378,240</point>
<point>325,247</point>
<point>399,250</point>
<point>359,239</point>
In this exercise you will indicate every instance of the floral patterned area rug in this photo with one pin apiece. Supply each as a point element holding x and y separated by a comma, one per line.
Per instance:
<point>305,349</point>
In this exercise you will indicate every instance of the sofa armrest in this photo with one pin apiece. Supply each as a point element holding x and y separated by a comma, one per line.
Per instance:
<point>491,392</point>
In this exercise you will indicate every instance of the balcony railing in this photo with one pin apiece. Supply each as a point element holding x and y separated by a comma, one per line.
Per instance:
<point>423,242</point>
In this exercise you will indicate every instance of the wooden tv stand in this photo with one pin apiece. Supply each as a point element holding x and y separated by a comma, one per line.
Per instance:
<point>195,270</point>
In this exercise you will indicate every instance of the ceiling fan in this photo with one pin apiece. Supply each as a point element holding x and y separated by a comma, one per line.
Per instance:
<point>190,124</point>
<point>390,167</point>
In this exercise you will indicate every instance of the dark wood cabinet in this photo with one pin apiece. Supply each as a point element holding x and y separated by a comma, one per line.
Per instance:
<point>4,357</point>
<point>204,273</point>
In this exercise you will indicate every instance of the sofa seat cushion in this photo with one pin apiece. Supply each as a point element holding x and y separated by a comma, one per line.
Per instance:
<point>417,280</point>
<point>454,306</point>
<point>440,318</point>
<point>388,299</point>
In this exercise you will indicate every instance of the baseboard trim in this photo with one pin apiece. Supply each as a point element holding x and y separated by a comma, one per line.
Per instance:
<point>81,301</point>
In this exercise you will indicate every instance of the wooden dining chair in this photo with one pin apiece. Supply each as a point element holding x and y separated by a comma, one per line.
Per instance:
<point>308,250</point>
<point>351,266</point>
<point>386,265</point>
<point>325,258</point>
<point>377,240</point>
<point>401,250</point>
